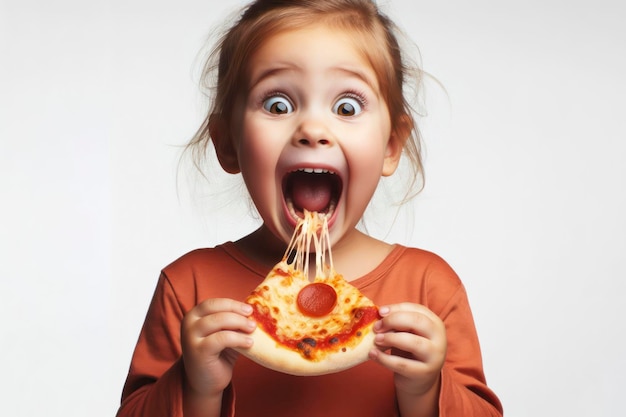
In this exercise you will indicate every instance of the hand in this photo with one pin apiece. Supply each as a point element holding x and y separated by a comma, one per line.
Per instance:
<point>411,342</point>
<point>207,332</point>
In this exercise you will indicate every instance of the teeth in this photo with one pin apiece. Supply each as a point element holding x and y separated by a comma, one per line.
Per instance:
<point>315,171</point>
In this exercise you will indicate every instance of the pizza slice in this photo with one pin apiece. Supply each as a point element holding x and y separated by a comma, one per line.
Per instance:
<point>310,327</point>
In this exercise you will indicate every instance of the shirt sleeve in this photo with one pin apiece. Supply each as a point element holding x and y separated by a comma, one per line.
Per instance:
<point>154,386</point>
<point>464,391</point>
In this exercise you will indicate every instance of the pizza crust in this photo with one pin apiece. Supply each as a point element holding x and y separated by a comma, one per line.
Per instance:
<point>267,352</point>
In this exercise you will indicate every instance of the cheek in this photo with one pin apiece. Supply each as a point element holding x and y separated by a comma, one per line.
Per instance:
<point>251,141</point>
<point>366,166</point>
<point>366,173</point>
<point>258,156</point>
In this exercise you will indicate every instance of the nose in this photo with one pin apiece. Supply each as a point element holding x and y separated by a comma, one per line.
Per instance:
<point>308,142</point>
<point>312,133</point>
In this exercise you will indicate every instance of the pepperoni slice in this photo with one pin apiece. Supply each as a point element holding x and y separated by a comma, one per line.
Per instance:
<point>317,299</point>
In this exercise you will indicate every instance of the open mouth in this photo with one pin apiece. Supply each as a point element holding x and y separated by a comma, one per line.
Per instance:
<point>312,190</point>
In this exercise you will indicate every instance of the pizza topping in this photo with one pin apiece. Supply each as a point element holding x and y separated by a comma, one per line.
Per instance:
<point>317,299</point>
<point>309,341</point>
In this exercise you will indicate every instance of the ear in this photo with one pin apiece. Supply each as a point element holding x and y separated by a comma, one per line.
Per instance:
<point>223,143</point>
<point>399,135</point>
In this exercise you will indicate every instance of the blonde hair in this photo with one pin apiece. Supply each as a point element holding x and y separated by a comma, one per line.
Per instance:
<point>378,42</point>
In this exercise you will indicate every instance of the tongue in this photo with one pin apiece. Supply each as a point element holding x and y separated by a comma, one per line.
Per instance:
<point>311,192</point>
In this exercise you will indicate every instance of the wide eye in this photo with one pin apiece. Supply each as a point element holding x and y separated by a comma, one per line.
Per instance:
<point>278,105</point>
<point>347,106</point>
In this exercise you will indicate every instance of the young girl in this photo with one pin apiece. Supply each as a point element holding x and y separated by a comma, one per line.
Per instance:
<point>309,108</point>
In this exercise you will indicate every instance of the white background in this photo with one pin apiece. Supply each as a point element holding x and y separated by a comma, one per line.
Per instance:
<point>525,193</point>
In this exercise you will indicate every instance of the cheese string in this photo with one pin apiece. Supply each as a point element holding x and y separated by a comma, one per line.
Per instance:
<point>312,229</point>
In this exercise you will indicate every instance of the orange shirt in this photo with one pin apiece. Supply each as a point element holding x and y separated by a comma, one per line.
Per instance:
<point>154,384</point>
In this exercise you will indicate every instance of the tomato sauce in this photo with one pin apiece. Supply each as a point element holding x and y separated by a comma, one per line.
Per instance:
<point>307,345</point>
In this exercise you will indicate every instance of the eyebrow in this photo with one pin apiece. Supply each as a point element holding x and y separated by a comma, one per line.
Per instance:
<point>276,69</point>
<point>363,76</point>
<point>350,71</point>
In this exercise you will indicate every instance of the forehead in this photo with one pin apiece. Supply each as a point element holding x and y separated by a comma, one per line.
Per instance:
<point>316,47</point>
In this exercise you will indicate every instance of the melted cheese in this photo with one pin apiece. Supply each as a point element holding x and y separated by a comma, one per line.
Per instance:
<point>280,290</point>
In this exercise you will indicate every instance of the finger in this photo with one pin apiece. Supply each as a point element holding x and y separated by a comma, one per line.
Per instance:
<point>407,307</point>
<point>217,343</point>
<point>216,305</point>
<point>408,321</point>
<point>406,345</point>
<point>217,322</point>
<point>229,339</point>
<point>401,314</point>
<point>399,364</point>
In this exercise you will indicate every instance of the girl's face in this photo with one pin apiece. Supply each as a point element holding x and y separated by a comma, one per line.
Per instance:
<point>315,131</point>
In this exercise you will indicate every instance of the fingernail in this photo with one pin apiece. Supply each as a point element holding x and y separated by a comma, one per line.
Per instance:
<point>247,309</point>
<point>383,311</point>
